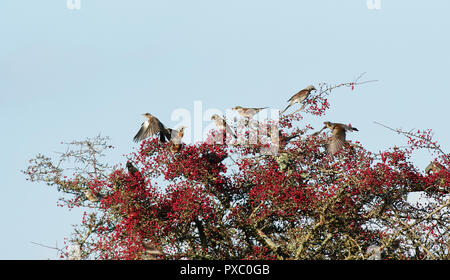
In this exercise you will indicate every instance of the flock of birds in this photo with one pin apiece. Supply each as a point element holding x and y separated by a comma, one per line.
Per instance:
<point>153,125</point>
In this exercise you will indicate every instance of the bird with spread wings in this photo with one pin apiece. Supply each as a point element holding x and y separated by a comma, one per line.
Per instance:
<point>337,140</point>
<point>151,127</point>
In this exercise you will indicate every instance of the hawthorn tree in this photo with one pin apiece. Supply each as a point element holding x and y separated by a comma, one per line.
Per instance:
<point>215,200</point>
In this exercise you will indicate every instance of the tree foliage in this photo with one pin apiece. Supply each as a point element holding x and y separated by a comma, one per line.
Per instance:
<point>218,201</point>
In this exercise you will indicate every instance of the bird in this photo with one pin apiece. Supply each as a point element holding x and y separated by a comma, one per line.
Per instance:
<point>133,170</point>
<point>175,143</point>
<point>338,138</point>
<point>299,97</point>
<point>152,126</point>
<point>91,196</point>
<point>222,125</point>
<point>434,167</point>
<point>247,112</point>
<point>138,179</point>
<point>214,158</point>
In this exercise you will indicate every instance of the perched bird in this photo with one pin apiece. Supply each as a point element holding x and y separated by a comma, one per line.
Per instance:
<point>133,170</point>
<point>214,158</point>
<point>222,125</point>
<point>175,143</point>
<point>434,166</point>
<point>139,180</point>
<point>152,126</point>
<point>91,196</point>
<point>247,112</point>
<point>338,138</point>
<point>299,97</point>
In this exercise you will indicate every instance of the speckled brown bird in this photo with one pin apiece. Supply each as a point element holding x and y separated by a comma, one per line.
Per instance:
<point>91,196</point>
<point>150,127</point>
<point>136,174</point>
<point>299,97</point>
<point>132,169</point>
<point>434,167</point>
<point>222,125</point>
<point>175,143</point>
<point>337,140</point>
<point>248,112</point>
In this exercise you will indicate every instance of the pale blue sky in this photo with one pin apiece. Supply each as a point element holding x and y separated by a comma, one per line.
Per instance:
<point>70,74</point>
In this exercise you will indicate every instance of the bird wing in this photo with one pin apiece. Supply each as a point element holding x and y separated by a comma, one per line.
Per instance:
<point>140,135</point>
<point>301,95</point>
<point>347,127</point>
<point>156,126</point>
<point>151,127</point>
<point>259,109</point>
<point>337,141</point>
<point>165,133</point>
<point>290,104</point>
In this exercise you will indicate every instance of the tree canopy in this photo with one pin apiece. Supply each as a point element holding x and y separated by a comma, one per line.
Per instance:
<point>221,200</point>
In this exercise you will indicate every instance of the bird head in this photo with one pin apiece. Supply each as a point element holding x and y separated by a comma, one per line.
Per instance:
<point>214,117</point>
<point>236,108</point>
<point>86,191</point>
<point>311,88</point>
<point>328,124</point>
<point>148,115</point>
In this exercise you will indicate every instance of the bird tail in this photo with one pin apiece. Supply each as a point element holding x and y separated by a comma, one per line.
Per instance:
<point>286,108</point>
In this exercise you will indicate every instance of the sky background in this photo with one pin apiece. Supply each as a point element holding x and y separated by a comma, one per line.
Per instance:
<point>70,74</point>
